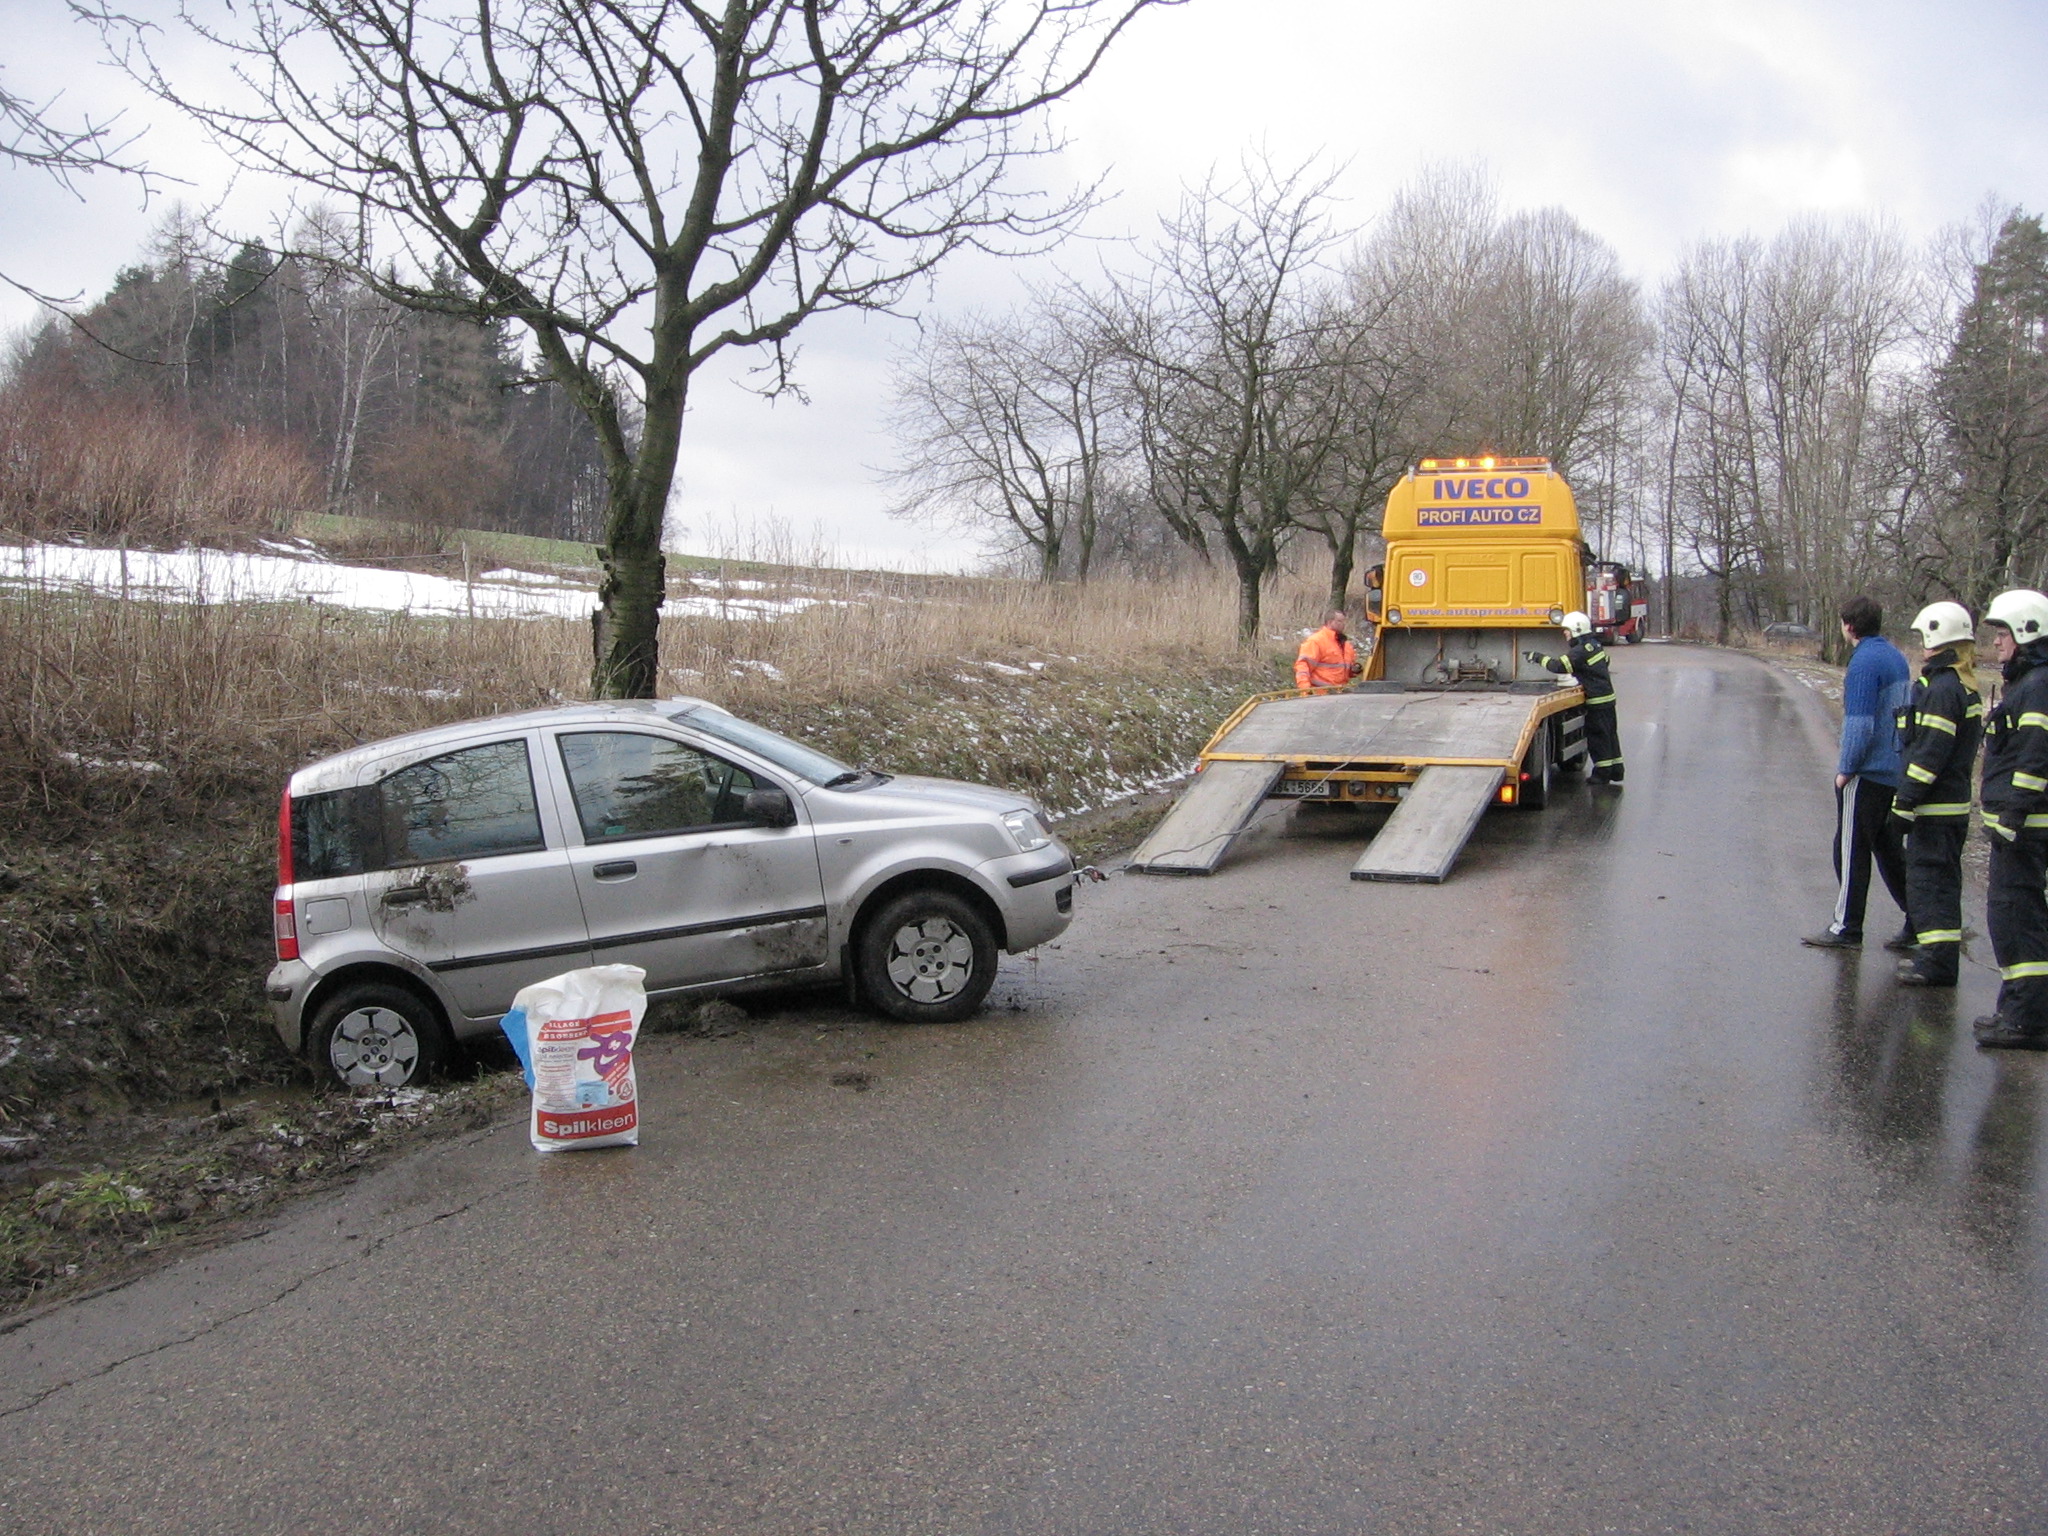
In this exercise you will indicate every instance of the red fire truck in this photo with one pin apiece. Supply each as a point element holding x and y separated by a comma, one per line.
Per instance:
<point>1612,605</point>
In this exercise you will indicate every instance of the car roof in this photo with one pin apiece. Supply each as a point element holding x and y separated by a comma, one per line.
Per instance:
<point>345,769</point>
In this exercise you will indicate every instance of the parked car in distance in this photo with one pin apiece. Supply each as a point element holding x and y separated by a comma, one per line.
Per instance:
<point>1787,632</point>
<point>423,880</point>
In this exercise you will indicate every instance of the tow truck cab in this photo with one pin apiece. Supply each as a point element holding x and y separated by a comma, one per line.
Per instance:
<point>1484,560</point>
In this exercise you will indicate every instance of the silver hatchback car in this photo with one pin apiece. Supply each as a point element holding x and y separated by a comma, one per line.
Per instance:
<point>422,881</point>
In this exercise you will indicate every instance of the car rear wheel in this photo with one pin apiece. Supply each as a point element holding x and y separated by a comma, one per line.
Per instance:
<point>375,1035</point>
<point>926,957</point>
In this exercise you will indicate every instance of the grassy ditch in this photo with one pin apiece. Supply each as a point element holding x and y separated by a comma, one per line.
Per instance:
<point>144,747</point>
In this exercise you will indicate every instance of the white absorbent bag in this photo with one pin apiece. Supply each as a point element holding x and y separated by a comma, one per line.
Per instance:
<point>574,1034</point>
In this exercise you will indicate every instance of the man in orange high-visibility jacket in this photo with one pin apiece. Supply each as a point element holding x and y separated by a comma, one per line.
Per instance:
<point>1327,659</point>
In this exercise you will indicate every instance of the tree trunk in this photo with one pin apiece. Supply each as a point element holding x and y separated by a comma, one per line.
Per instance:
<point>1343,555</point>
<point>1249,578</point>
<point>1049,559</point>
<point>626,629</point>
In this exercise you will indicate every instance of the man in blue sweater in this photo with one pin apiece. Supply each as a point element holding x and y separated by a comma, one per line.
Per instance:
<point>1866,776</point>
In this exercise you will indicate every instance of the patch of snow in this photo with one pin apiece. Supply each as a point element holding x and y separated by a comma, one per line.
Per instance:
<point>767,669</point>
<point>216,576</point>
<point>738,608</point>
<point>997,666</point>
<point>111,764</point>
<point>396,692</point>
<point>535,578</point>
<point>303,548</point>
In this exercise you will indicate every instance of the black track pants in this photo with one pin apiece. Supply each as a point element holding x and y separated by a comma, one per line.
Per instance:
<point>1603,740</point>
<point>2017,908</point>
<point>1866,832</point>
<point>1934,891</point>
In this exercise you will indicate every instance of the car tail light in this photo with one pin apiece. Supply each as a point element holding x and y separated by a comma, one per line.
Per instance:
<point>283,923</point>
<point>284,839</point>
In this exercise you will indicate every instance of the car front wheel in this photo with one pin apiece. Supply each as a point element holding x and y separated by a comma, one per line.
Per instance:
<point>373,1035</point>
<point>926,957</point>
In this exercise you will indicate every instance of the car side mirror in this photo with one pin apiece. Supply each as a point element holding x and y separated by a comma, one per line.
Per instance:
<point>769,808</point>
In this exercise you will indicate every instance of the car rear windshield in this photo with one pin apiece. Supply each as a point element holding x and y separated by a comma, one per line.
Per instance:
<point>806,762</point>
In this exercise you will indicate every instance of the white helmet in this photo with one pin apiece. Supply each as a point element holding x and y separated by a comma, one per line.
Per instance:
<point>1576,624</point>
<point>1940,624</point>
<point>2023,611</point>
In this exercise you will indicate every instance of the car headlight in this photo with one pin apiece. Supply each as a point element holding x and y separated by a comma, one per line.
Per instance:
<point>1556,615</point>
<point>1027,830</point>
<point>1393,615</point>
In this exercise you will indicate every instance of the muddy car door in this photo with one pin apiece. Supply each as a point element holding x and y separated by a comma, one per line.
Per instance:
<point>676,873</point>
<point>471,884</point>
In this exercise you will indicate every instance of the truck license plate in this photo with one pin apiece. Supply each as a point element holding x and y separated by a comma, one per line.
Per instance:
<point>1306,789</point>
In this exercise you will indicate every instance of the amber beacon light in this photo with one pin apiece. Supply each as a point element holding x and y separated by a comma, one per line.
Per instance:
<point>1484,463</point>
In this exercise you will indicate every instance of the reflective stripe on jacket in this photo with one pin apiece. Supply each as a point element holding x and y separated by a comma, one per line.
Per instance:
<point>2015,789</point>
<point>1325,660</point>
<point>1587,661</point>
<point>1939,730</point>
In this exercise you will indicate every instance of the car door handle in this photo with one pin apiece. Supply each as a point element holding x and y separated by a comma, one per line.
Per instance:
<point>404,896</point>
<point>617,869</point>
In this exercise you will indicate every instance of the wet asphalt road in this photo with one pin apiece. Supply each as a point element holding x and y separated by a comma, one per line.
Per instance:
<point>1572,1195</point>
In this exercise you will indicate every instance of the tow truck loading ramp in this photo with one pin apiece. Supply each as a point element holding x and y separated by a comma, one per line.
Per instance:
<point>1206,819</point>
<point>1422,839</point>
<point>1441,753</point>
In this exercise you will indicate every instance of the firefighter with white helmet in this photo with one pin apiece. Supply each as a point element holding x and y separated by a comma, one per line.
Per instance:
<point>2015,796</point>
<point>1939,729</point>
<point>1586,659</point>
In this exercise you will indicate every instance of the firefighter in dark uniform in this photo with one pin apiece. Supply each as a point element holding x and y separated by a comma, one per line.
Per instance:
<point>1939,730</point>
<point>2015,796</point>
<point>1586,659</point>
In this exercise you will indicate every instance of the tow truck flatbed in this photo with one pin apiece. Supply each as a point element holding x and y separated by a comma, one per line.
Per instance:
<point>1374,743</point>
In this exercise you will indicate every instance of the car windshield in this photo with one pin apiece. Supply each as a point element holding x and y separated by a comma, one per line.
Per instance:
<point>806,762</point>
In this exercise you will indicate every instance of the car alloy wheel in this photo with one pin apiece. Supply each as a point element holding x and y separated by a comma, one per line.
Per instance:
<point>374,1048</point>
<point>931,961</point>
<point>925,957</point>
<point>376,1035</point>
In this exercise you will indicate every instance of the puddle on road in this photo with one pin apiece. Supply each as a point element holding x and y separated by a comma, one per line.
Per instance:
<point>1931,1109</point>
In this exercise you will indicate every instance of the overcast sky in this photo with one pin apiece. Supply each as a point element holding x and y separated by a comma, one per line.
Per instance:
<point>1656,122</point>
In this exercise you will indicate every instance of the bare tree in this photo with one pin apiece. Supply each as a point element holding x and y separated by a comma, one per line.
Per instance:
<point>1783,359</point>
<point>34,134</point>
<point>643,184</point>
<point>1369,397</point>
<point>1227,341</point>
<point>1010,423</point>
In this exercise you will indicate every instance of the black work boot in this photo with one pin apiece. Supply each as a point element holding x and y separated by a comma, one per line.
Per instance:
<point>1925,973</point>
<point>1902,941</point>
<point>1827,938</point>
<point>1933,965</point>
<point>1998,1032</point>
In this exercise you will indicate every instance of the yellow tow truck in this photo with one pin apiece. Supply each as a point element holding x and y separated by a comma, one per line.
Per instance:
<point>1483,560</point>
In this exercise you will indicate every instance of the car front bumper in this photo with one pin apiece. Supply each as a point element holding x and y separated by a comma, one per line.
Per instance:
<point>1037,895</point>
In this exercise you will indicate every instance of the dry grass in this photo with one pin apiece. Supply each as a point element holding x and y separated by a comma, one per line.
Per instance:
<point>218,690</point>
<point>867,630</point>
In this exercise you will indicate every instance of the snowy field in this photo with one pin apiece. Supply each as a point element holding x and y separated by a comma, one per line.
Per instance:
<point>297,574</point>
